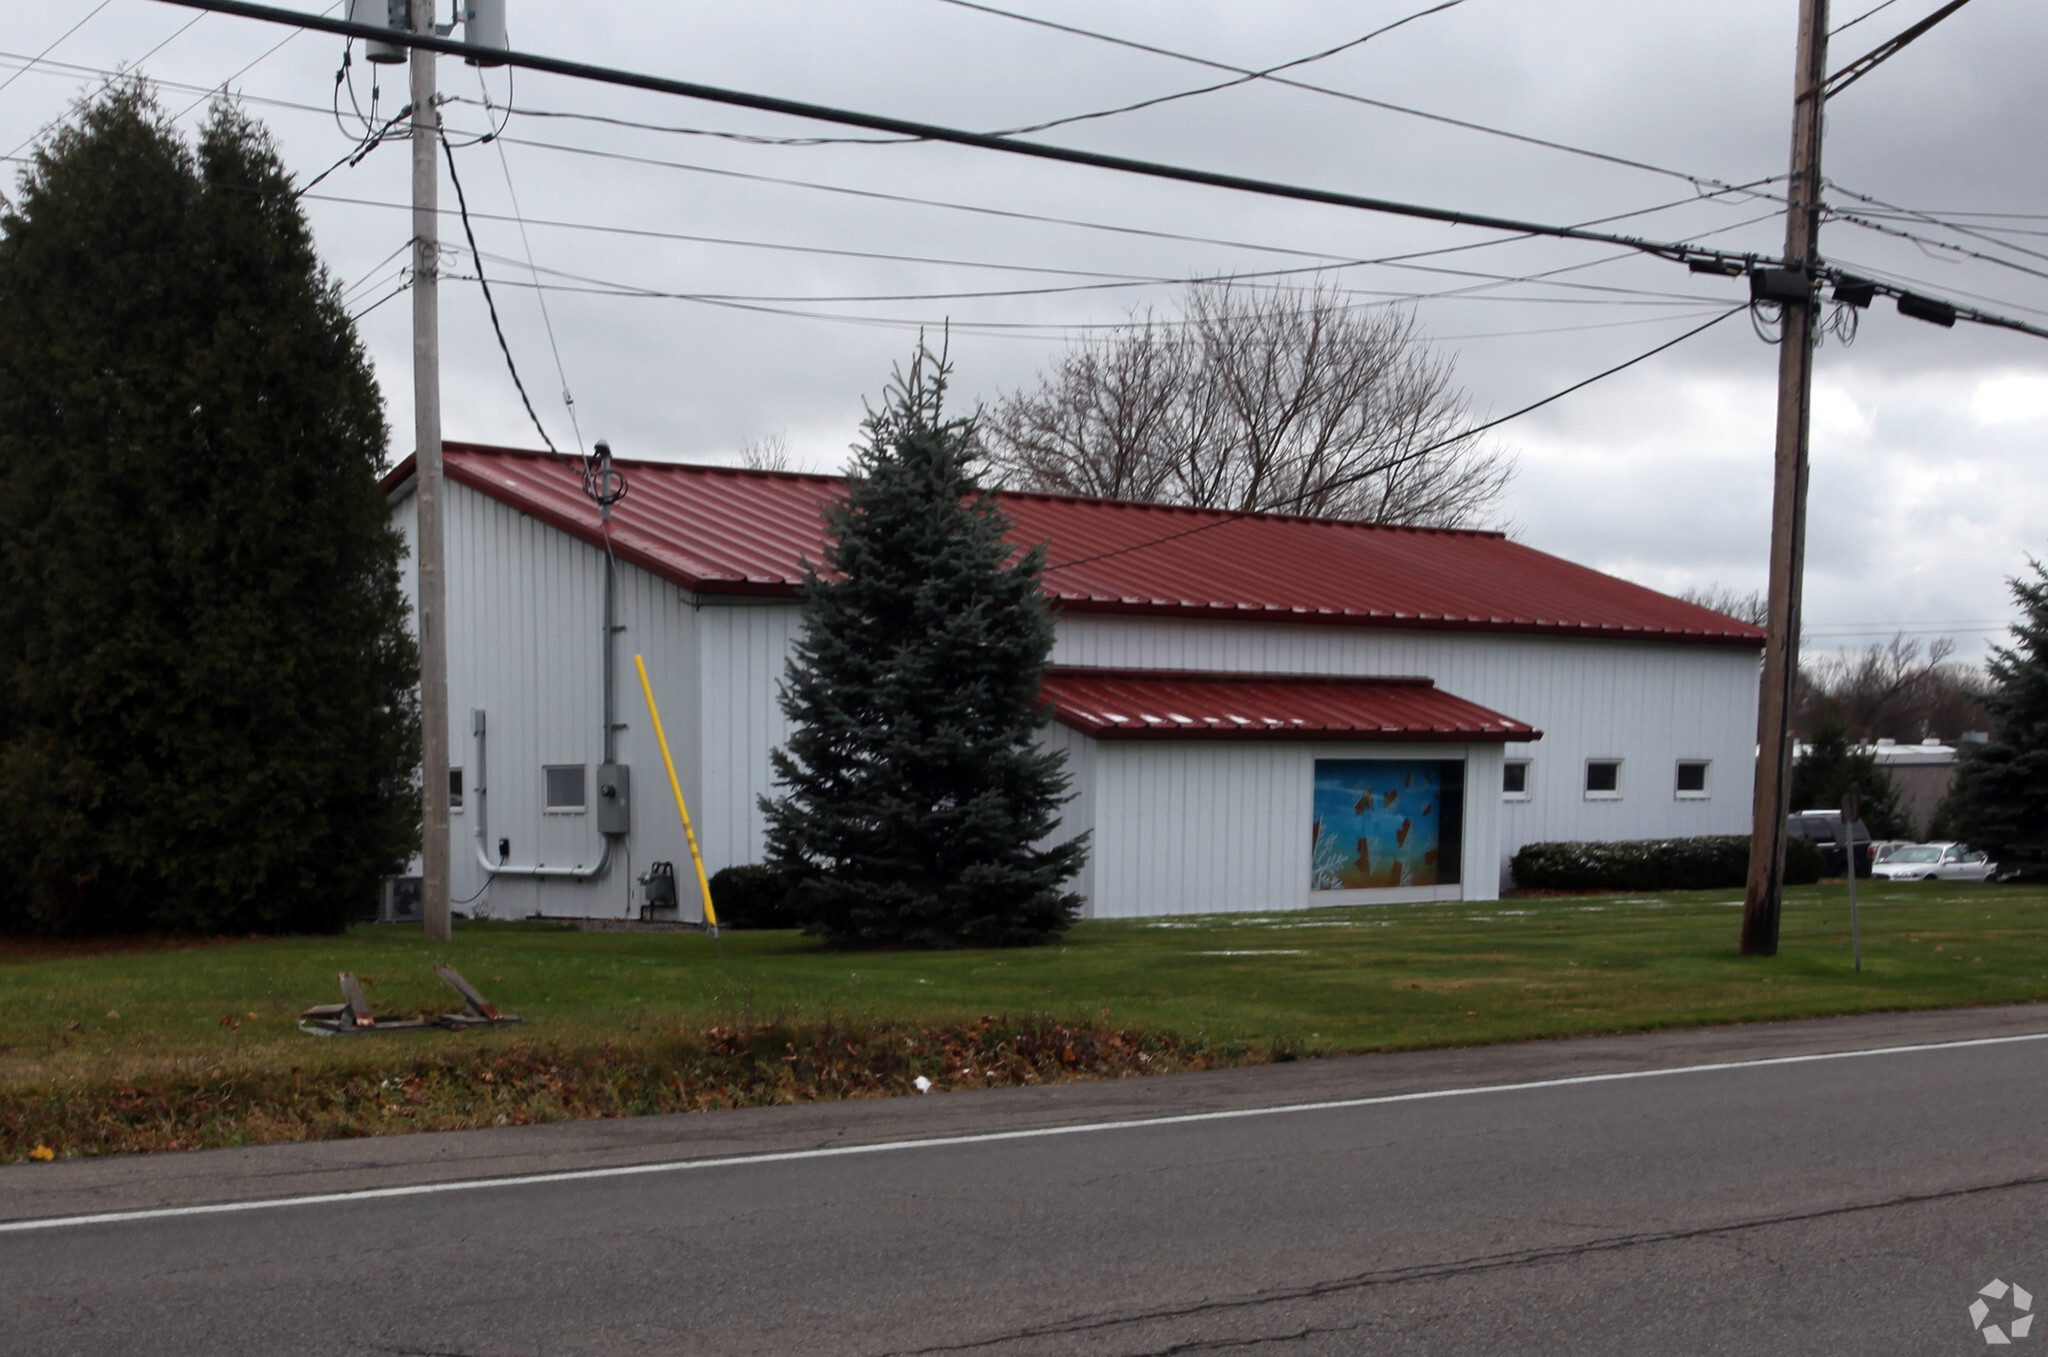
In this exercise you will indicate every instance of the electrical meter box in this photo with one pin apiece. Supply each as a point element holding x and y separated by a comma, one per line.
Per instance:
<point>614,798</point>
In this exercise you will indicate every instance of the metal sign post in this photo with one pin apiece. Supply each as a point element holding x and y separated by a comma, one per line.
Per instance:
<point>1850,812</point>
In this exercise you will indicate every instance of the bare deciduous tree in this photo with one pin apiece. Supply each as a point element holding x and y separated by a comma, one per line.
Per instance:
<point>1751,607</point>
<point>767,453</point>
<point>1894,691</point>
<point>1287,399</point>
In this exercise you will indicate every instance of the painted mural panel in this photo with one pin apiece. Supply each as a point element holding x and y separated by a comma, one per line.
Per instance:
<point>1382,823</point>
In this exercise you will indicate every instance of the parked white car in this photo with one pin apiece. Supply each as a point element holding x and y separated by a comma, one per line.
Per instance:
<point>1935,862</point>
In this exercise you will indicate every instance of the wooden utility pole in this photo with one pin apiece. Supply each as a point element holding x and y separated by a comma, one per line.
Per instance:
<point>430,550</point>
<point>1765,897</point>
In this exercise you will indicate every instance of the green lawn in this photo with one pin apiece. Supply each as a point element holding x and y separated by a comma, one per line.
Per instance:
<point>1337,980</point>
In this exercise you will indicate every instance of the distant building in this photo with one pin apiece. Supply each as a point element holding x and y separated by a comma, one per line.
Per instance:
<point>1922,773</point>
<point>1260,712</point>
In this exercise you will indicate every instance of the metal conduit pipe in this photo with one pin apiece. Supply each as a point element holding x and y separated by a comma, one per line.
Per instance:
<point>483,856</point>
<point>610,747</point>
<point>608,493</point>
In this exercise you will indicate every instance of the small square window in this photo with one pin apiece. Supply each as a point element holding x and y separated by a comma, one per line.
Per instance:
<point>455,791</point>
<point>563,784</point>
<point>1514,780</point>
<point>1603,779</point>
<point>1692,779</point>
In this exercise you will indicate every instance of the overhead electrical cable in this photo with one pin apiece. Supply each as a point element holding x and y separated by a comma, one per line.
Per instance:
<point>1325,263</point>
<point>1381,297</point>
<point>1411,455</point>
<point>58,41</point>
<point>1044,331</point>
<point>1931,220</point>
<point>1899,232</point>
<point>1885,51</point>
<point>1698,257</point>
<point>1898,282</point>
<point>222,88</point>
<point>1333,260</point>
<point>1348,96</point>
<point>1843,28</point>
<point>547,319</point>
<point>1244,79</point>
<point>1151,169</point>
<point>491,305</point>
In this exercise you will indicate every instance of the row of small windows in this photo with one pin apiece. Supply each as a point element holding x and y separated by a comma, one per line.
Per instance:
<point>1603,779</point>
<point>562,786</point>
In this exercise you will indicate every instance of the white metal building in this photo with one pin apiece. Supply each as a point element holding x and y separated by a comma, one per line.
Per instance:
<point>1264,712</point>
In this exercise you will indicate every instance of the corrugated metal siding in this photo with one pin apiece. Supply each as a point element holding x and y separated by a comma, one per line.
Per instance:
<point>1647,703</point>
<point>526,607</point>
<point>744,653</point>
<point>1079,814</point>
<point>525,603</point>
<point>1202,828</point>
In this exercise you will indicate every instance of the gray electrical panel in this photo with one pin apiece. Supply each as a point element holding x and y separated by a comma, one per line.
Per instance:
<point>614,798</point>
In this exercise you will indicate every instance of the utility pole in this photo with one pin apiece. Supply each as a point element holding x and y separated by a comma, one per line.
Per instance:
<point>1799,300</point>
<point>426,409</point>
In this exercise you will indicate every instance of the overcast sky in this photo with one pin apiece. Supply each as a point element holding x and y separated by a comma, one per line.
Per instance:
<point>1928,476</point>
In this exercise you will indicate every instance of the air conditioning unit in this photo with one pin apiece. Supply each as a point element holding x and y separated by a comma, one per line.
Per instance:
<point>401,902</point>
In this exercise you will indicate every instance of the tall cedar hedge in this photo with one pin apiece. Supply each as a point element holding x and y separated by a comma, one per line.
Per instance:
<point>2000,799</point>
<point>206,711</point>
<point>917,799</point>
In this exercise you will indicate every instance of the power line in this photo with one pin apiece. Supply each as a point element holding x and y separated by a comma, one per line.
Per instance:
<point>1843,28</point>
<point>1856,219</point>
<point>1244,79</point>
<point>547,320</point>
<point>1329,260</point>
<point>490,303</point>
<point>1324,262</point>
<point>1931,220</point>
<point>90,15</point>
<point>1380,297</point>
<point>1885,51</point>
<point>1700,180</point>
<point>955,136</point>
<point>267,55</point>
<point>1702,259</point>
<point>1895,284</point>
<point>1409,456</point>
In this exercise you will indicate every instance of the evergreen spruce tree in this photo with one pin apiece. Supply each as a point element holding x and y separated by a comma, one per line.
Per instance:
<point>1833,767</point>
<point>2000,799</point>
<point>916,797</point>
<point>206,709</point>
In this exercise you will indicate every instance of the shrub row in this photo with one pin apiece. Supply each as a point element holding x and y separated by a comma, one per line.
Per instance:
<point>753,896</point>
<point>1710,862</point>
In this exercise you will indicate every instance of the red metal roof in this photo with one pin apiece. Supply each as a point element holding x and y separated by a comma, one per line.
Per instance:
<point>724,530</point>
<point>1173,704</point>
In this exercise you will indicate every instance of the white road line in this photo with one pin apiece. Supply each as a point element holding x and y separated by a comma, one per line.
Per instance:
<point>981,1138</point>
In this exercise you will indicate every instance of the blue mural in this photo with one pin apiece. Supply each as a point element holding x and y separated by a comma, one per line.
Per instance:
<point>1381,823</point>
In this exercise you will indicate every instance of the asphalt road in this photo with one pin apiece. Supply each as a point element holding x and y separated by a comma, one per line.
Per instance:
<point>1824,1205</point>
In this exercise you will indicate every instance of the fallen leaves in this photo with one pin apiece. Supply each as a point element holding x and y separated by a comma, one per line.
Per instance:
<point>523,1082</point>
<point>42,1152</point>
